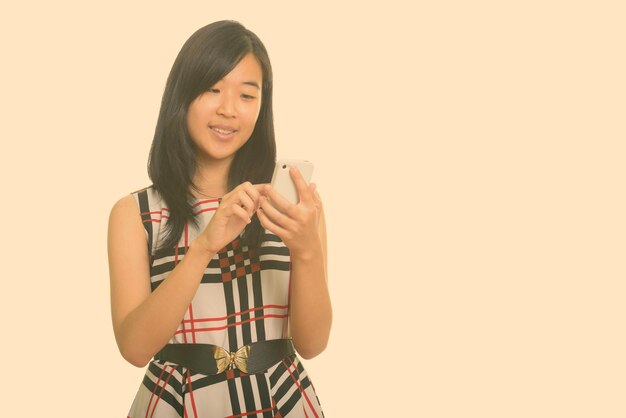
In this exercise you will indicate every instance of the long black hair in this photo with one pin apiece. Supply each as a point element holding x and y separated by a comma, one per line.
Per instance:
<point>207,57</point>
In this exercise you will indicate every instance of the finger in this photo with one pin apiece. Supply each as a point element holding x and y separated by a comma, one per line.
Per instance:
<point>260,187</point>
<point>247,188</point>
<point>303,191</point>
<point>279,202</point>
<point>275,215</point>
<point>246,195</point>
<point>240,199</point>
<point>247,202</point>
<point>254,190</point>
<point>255,193</point>
<point>271,226</point>
<point>241,213</point>
<point>317,198</point>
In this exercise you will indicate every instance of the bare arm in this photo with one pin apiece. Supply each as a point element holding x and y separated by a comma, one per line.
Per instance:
<point>311,311</point>
<point>144,321</point>
<point>302,227</point>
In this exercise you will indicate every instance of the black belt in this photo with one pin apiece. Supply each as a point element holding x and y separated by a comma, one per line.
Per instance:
<point>212,359</point>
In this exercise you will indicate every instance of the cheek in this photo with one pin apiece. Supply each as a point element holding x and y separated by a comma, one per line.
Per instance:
<point>200,109</point>
<point>252,115</point>
<point>195,123</point>
<point>191,123</point>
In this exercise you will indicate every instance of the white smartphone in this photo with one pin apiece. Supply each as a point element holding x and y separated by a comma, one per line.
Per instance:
<point>282,182</point>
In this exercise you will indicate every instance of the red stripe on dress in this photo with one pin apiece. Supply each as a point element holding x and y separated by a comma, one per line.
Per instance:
<point>151,213</point>
<point>193,331</point>
<point>245,414</point>
<point>238,313</point>
<point>297,382</point>
<point>154,390</point>
<point>205,201</point>
<point>193,402</point>
<point>162,389</point>
<point>233,325</point>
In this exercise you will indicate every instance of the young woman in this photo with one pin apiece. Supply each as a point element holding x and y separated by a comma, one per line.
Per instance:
<point>216,279</point>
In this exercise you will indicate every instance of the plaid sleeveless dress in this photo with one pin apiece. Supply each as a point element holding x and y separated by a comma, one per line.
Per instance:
<point>243,298</point>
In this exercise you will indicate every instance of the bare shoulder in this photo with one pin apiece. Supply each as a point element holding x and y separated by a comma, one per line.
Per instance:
<point>125,215</point>
<point>126,231</point>
<point>124,208</point>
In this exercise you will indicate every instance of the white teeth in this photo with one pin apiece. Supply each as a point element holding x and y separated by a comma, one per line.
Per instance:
<point>222,131</point>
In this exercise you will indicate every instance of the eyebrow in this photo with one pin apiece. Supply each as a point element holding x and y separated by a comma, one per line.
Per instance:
<point>252,83</point>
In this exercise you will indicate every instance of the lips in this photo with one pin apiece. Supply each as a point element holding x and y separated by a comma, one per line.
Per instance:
<point>223,131</point>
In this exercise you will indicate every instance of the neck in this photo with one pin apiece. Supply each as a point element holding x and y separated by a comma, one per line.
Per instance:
<point>211,178</point>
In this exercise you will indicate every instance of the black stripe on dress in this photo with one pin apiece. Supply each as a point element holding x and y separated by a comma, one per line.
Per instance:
<point>264,394</point>
<point>248,394</point>
<point>257,294</point>
<point>144,207</point>
<point>234,398</point>
<point>165,393</point>
<point>231,317</point>
<point>244,306</point>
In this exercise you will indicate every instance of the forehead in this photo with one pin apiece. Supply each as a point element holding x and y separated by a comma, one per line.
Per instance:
<point>246,71</point>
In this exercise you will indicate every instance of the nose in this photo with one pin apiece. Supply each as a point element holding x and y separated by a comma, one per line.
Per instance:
<point>226,106</point>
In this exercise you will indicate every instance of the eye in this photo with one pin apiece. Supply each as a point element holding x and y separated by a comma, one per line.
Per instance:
<point>213,90</point>
<point>247,97</point>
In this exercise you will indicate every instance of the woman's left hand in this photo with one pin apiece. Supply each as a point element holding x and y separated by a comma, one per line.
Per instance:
<point>296,224</point>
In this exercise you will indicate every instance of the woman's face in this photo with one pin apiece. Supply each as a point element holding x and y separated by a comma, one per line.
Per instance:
<point>221,120</point>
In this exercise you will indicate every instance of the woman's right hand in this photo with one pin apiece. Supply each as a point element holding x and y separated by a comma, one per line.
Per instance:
<point>231,217</point>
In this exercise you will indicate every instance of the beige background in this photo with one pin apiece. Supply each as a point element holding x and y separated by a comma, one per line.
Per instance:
<point>471,160</point>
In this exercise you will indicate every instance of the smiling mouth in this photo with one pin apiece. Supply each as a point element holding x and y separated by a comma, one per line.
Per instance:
<point>223,131</point>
